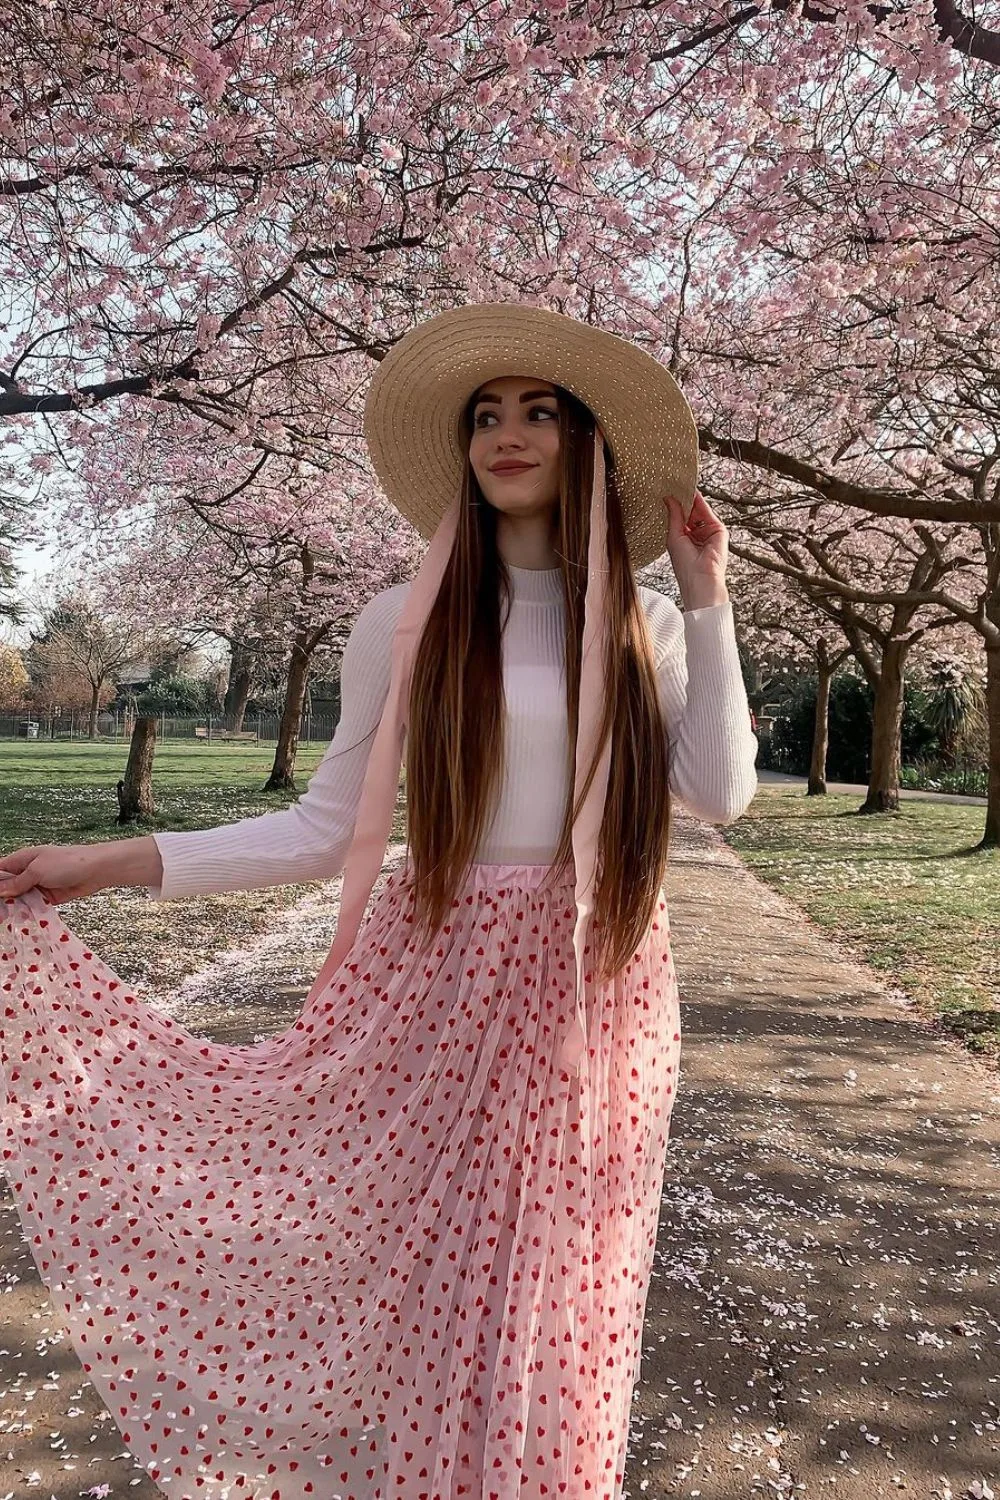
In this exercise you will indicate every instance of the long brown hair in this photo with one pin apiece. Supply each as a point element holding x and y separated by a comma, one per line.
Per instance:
<point>455,729</point>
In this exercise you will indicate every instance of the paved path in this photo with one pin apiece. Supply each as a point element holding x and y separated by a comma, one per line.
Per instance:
<point>855,789</point>
<point>825,1314</point>
<point>824,1317</point>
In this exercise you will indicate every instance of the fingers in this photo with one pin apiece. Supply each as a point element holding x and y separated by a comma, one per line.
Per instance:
<point>700,529</point>
<point>13,864</point>
<point>702,522</point>
<point>18,873</point>
<point>701,510</point>
<point>699,524</point>
<point>678,520</point>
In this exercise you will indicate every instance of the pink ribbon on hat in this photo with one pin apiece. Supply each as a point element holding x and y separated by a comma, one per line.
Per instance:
<point>380,788</point>
<point>587,825</point>
<point>381,783</point>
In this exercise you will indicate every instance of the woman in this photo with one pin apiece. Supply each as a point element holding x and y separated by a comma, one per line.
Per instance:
<point>402,1250</point>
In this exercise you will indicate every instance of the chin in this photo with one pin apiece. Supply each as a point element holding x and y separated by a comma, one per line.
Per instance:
<point>527,505</point>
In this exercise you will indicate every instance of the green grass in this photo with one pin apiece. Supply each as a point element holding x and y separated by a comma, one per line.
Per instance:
<point>65,792</point>
<point>906,891</point>
<point>178,762</point>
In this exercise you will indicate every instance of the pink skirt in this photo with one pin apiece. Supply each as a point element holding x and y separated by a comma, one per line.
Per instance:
<point>392,1253</point>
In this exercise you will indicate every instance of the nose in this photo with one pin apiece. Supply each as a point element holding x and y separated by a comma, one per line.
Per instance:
<point>508,436</point>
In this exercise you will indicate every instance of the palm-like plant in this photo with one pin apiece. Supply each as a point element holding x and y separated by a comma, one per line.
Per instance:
<point>956,701</point>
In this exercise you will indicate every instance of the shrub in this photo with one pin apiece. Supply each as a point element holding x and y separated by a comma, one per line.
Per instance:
<point>179,697</point>
<point>850,729</point>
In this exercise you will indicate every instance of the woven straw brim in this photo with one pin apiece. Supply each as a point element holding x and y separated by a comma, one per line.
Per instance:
<point>415,404</point>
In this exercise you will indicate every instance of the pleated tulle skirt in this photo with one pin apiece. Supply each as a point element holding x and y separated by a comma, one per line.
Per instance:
<point>397,1252</point>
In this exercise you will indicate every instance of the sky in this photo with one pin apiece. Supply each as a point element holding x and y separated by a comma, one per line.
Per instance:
<point>33,560</point>
<point>34,563</point>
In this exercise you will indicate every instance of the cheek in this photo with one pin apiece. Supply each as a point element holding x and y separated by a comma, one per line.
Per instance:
<point>549,444</point>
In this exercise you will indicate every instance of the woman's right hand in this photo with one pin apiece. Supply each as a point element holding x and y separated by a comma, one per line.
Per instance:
<point>67,872</point>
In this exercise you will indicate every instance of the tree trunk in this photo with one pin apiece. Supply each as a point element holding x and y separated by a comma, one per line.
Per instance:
<point>991,833</point>
<point>821,724</point>
<point>887,727</point>
<point>135,792</point>
<point>949,747</point>
<point>95,698</point>
<point>282,777</point>
<point>238,688</point>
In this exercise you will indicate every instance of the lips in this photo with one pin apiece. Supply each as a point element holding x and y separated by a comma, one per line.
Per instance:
<point>512,468</point>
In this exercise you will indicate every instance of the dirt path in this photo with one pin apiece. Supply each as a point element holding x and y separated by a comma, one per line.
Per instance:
<point>824,1317</point>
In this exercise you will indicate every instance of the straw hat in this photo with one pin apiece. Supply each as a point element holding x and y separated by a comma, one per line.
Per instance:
<point>417,397</point>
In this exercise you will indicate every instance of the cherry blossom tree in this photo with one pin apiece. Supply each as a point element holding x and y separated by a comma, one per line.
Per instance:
<point>887,589</point>
<point>229,543</point>
<point>917,466</point>
<point>206,208</point>
<point>205,203</point>
<point>212,211</point>
<point>833,324</point>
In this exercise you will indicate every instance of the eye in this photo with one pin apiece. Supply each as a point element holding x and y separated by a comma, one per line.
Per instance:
<point>546,411</point>
<point>480,418</point>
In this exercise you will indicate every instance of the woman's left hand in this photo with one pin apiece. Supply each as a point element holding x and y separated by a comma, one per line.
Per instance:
<point>699,552</point>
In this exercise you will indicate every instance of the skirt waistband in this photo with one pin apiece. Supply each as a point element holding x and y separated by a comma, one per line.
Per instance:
<point>501,879</point>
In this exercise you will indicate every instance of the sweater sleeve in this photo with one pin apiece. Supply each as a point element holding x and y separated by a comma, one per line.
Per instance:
<point>712,747</point>
<point>310,839</point>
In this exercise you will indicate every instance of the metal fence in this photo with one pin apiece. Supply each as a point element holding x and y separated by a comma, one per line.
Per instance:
<point>257,728</point>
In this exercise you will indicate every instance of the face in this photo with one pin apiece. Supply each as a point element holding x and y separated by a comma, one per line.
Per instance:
<point>514,450</point>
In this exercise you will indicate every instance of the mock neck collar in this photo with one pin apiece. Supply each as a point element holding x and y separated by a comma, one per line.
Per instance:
<point>536,585</point>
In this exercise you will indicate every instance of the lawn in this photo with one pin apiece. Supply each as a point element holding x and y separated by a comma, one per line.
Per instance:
<point>905,891</point>
<point>64,793</point>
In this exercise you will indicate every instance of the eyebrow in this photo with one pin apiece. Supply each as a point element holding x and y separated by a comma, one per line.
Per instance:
<point>528,396</point>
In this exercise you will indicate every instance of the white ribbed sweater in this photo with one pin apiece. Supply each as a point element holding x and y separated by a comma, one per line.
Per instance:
<point>712,746</point>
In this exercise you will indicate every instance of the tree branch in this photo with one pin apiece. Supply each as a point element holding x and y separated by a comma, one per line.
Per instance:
<point>15,402</point>
<point>965,35</point>
<point>879,502</point>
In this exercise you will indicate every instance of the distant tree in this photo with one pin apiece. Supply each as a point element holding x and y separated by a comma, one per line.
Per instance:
<point>10,535</point>
<point>57,691</point>
<point>79,643</point>
<point>14,680</point>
